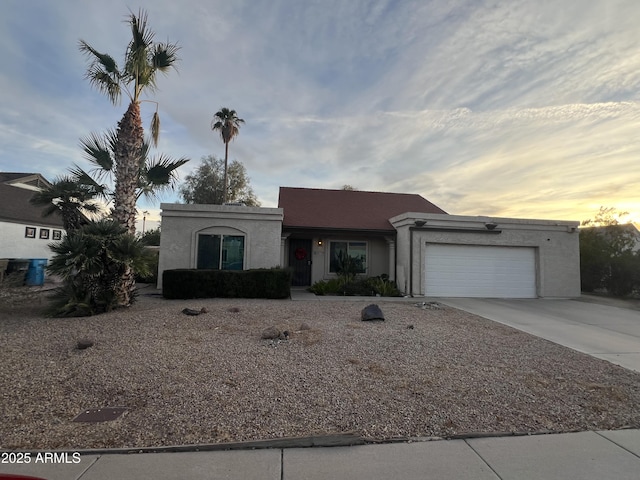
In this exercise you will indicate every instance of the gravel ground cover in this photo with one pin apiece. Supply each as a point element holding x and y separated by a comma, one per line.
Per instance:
<point>211,378</point>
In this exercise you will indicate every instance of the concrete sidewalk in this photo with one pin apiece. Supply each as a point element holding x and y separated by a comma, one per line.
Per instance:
<point>583,455</point>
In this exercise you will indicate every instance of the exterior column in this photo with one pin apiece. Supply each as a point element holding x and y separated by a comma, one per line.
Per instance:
<point>283,250</point>
<point>391,244</point>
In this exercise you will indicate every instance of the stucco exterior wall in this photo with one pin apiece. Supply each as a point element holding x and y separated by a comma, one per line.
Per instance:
<point>556,244</point>
<point>14,244</point>
<point>181,225</point>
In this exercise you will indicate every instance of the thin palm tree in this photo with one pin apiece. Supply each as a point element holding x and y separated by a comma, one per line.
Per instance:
<point>143,59</point>
<point>226,121</point>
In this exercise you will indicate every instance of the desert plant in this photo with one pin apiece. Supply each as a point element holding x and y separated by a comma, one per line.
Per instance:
<point>91,261</point>
<point>326,287</point>
<point>384,287</point>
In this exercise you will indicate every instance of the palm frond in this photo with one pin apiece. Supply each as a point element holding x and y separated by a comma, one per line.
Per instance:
<point>165,56</point>
<point>107,61</point>
<point>155,128</point>
<point>103,72</point>
<point>159,175</point>
<point>83,178</point>
<point>99,150</point>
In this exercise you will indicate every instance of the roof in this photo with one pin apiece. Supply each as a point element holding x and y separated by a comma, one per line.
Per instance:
<point>14,201</point>
<point>347,209</point>
<point>31,180</point>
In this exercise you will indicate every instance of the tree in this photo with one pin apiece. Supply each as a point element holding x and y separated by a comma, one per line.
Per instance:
<point>607,254</point>
<point>226,121</point>
<point>206,184</point>
<point>74,201</point>
<point>151,237</point>
<point>143,59</point>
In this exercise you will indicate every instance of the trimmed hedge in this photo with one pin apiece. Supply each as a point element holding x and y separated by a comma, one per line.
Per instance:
<point>186,283</point>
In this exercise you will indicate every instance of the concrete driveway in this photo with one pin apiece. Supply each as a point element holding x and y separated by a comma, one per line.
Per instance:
<point>607,332</point>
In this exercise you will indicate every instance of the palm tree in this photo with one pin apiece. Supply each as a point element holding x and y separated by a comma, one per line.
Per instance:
<point>143,59</point>
<point>74,201</point>
<point>91,261</point>
<point>227,122</point>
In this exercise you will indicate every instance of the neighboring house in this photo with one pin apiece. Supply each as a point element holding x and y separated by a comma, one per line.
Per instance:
<point>427,251</point>
<point>24,232</point>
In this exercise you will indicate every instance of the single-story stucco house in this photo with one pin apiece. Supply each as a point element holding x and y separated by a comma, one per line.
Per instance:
<point>425,250</point>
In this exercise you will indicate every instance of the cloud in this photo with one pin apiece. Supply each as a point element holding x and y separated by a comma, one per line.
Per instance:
<point>510,108</point>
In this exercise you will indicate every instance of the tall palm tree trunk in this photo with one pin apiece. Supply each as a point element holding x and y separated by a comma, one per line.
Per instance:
<point>130,135</point>
<point>130,138</point>
<point>226,177</point>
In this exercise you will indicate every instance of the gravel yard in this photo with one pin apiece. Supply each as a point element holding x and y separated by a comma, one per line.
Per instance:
<point>211,378</point>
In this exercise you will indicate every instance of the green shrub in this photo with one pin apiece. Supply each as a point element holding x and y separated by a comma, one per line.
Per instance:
<point>152,275</point>
<point>384,287</point>
<point>92,261</point>
<point>327,287</point>
<point>256,283</point>
<point>356,286</point>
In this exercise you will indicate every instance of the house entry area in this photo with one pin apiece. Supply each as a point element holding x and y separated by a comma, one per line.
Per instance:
<point>480,271</point>
<point>300,261</point>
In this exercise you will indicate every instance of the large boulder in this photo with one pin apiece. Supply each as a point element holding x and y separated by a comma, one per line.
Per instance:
<point>371,312</point>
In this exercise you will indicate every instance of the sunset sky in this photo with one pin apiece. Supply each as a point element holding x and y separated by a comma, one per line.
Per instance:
<point>499,108</point>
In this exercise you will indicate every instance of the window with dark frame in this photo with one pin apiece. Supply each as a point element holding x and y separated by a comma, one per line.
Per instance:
<point>220,252</point>
<point>356,250</point>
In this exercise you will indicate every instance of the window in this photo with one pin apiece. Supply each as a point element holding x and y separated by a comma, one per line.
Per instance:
<point>356,250</point>
<point>221,252</point>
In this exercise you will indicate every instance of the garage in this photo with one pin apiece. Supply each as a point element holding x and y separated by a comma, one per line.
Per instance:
<point>480,271</point>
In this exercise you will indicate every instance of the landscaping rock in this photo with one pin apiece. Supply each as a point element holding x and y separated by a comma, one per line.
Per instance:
<point>304,326</point>
<point>271,333</point>
<point>371,312</point>
<point>192,312</point>
<point>84,343</point>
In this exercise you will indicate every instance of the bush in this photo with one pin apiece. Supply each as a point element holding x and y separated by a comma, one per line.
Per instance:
<point>92,261</point>
<point>357,286</point>
<point>256,283</point>
<point>326,287</point>
<point>385,287</point>
<point>152,275</point>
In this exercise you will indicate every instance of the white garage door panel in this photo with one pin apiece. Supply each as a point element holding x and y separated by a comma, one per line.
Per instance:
<point>479,271</point>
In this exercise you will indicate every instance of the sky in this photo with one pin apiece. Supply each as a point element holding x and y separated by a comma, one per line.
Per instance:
<point>494,108</point>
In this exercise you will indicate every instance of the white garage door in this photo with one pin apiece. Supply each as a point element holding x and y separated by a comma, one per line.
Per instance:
<point>479,271</point>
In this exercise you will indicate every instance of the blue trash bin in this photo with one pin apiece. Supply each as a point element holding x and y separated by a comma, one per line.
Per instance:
<point>35,273</point>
